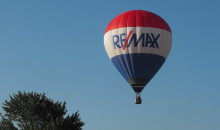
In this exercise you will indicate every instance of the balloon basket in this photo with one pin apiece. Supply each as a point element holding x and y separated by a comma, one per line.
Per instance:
<point>138,99</point>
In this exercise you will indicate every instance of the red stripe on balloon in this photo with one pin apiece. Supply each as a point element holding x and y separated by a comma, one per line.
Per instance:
<point>138,18</point>
<point>126,42</point>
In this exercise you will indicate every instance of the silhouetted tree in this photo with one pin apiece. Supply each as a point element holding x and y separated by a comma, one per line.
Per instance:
<point>34,111</point>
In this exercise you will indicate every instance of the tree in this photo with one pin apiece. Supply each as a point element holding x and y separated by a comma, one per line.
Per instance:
<point>6,124</point>
<point>34,111</point>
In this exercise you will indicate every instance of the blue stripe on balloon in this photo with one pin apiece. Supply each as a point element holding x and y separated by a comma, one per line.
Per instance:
<point>138,68</point>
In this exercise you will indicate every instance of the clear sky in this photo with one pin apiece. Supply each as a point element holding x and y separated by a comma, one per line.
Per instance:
<point>56,47</point>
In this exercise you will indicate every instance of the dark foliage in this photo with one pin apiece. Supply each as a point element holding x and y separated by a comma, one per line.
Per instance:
<point>34,111</point>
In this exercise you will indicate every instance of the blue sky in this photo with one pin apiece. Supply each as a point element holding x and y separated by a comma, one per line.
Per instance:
<point>56,47</point>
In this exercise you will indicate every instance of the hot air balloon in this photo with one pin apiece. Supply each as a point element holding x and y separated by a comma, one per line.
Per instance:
<point>138,43</point>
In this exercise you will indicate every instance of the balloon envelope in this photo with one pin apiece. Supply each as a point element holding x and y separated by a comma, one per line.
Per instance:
<point>138,43</point>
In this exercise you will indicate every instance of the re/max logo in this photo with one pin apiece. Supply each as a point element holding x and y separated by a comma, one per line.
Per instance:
<point>146,39</point>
